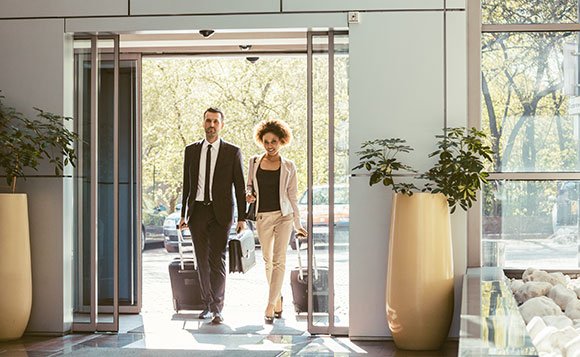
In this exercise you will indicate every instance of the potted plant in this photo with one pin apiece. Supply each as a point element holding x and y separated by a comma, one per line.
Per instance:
<point>419,296</point>
<point>25,144</point>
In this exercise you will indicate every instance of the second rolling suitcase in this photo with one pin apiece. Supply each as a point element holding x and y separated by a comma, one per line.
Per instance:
<point>300,291</point>
<point>299,284</point>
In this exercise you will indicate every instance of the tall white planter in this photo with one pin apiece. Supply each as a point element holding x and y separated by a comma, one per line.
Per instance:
<point>15,269</point>
<point>420,271</point>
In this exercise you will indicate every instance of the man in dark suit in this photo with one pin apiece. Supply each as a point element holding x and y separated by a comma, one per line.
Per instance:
<point>207,207</point>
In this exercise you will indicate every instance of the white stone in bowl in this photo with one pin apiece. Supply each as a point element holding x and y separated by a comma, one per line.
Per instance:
<point>532,289</point>
<point>542,340</point>
<point>561,278</point>
<point>572,348</point>
<point>539,306</point>
<point>535,326</point>
<point>561,295</point>
<point>515,284</point>
<point>573,309</point>
<point>558,321</point>
<point>560,338</point>
<point>527,273</point>
<point>532,274</point>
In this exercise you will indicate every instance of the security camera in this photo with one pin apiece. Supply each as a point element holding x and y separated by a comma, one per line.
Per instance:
<point>252,59</point>
<point>206,33</point>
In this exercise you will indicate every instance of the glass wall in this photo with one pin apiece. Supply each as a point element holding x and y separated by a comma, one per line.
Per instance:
<point>530,106</point>
<point>129,244</point>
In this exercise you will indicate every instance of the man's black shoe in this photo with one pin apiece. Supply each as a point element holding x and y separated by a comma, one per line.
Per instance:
<point>217,318</point>
<point>205,314</point>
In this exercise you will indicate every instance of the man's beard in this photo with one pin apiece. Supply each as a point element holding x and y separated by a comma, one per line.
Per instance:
<point>210,133</point>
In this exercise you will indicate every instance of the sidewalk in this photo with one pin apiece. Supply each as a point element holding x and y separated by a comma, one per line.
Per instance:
<point>245,300</point>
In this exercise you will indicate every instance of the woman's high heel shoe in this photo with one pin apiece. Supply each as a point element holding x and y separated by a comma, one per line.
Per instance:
<point>269,320</point>
<point>278,314</point>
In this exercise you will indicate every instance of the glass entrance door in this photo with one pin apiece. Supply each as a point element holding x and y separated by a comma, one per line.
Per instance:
<point>108,245</point>
<point>327,195</point>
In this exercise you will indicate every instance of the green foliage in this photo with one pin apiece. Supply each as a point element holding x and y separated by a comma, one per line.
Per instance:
<point>177,91</point>
<point>460,168</point>
<point>379,158</point>
<point>529,11</point>
<point>525,104</point>
<point>458,173</point>
<point>26,142</point>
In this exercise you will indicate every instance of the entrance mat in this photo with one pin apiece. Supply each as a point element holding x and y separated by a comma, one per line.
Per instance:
<point>139,352</point>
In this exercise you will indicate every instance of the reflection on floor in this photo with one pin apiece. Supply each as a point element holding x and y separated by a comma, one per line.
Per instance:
<point>159,331</point>
<point>183,334</point>
<point>188,343</point>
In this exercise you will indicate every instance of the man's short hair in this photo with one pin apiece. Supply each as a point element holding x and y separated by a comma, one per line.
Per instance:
<point>214,110</point>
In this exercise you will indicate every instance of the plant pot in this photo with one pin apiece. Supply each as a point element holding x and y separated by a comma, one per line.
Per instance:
<point>15,270</point>
<point>420,272</point>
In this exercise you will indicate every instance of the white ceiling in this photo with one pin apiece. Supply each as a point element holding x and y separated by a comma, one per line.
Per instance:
<point>219,42</point>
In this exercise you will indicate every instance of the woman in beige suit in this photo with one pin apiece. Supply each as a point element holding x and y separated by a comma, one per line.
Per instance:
<point>272,183</point>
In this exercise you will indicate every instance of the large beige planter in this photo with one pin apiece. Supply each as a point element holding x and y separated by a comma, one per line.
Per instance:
<point>420,272</point>
<point>15,270</point>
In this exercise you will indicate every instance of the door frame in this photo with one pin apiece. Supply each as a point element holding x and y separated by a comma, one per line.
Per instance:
<point>330,328</point>
<point>94,325</point>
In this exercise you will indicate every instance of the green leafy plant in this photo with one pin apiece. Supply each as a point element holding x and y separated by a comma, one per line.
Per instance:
<point>458,173</point>
<point>26,142</point>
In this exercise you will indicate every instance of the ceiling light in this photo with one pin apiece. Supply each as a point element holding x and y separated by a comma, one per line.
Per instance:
<point>206,33</point>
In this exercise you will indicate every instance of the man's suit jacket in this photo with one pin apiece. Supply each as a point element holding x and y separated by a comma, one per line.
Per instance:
<point>227,172</point>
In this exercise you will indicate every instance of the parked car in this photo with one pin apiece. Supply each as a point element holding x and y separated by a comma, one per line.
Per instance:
<point>143,236</point>
<point>170,230</point>
<point>320,215</point>
<point>565,209</point>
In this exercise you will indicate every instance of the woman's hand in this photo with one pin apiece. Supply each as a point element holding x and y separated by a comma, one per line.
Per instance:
<point>250,198</point>
<point>302,233</point>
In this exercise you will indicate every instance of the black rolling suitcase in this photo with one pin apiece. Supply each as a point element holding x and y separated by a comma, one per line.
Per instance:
<point>184,278</point>
<point>299,284</point>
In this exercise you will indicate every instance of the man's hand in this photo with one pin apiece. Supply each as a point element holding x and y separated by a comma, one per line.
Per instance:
<point>241,226</point>
<point>182,223</point>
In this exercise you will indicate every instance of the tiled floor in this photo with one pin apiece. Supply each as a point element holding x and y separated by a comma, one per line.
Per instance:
<point>159,331</point>
<point>141,344</point>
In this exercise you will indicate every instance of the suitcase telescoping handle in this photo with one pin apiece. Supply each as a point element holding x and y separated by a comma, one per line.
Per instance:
<point>180,241</point>
<point>300,268</point>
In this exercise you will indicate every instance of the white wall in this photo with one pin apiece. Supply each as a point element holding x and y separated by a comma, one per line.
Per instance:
<point>146,7</point>
<point>32,59</point>
<point>62,8</point>
<point>396,89</point>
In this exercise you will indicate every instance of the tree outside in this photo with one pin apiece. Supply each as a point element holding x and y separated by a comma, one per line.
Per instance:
<point>528,82</point>
<point>177,90</point>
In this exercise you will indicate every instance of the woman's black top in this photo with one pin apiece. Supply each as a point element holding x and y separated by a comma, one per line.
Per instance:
<point>269,186</point>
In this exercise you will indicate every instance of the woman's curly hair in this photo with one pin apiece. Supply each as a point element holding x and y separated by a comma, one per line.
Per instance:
<point>275,126</point>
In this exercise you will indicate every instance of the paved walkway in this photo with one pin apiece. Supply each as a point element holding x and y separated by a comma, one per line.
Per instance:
<point>246,294</point>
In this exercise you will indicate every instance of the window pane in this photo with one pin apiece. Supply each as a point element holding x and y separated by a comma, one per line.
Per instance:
<point>531,224</point>
<point>530,102</point>
<point>528,11</point>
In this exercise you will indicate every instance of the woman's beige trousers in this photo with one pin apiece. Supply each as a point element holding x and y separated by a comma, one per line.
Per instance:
<point>274,232</point>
